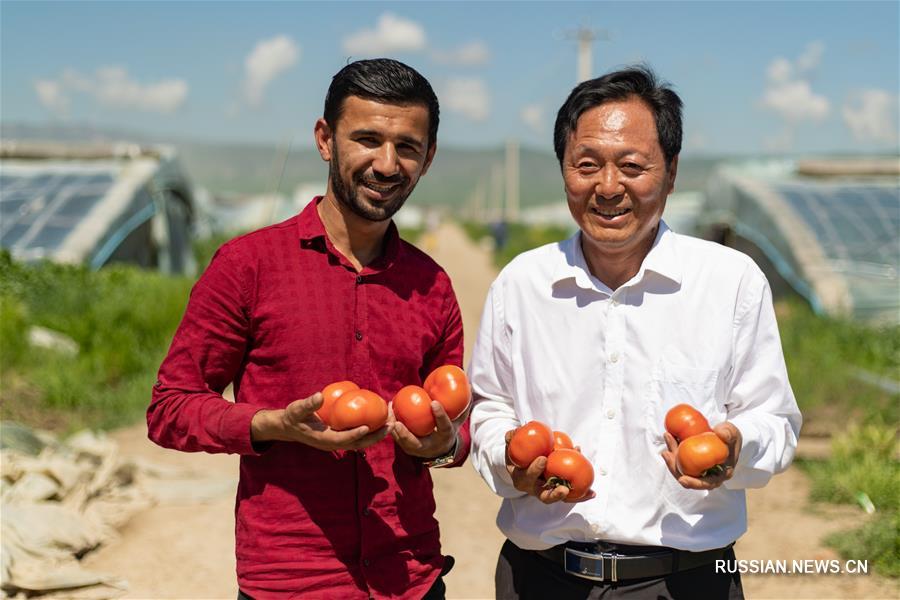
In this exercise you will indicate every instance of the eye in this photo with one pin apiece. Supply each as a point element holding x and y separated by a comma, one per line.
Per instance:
<point>586,166</point>
<point>631,168</point>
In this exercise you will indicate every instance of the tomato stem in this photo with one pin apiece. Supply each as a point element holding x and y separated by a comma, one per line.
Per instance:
<point>555,482</point>
<point>716,470</point>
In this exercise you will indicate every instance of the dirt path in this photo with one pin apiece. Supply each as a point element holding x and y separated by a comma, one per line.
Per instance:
<point>182,549</point>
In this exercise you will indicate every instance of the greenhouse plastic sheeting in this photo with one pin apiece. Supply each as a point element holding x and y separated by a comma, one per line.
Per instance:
<point>836,241</point>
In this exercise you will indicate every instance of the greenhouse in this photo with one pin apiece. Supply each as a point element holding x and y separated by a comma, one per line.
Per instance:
<point>828,230</point>
<point>96,205</point>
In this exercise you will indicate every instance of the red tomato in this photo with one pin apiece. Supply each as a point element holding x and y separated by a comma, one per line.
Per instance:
<point>683,421</point>
<point>700,453</point>
<point>569,468</point>
<point>359,407</point>
<point>332,392</point>
<point>412,407</point>
<point>561,440</point>
<point>530,441</point>
<point>449,386</point>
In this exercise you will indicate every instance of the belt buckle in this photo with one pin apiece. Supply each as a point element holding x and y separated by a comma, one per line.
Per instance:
<point>590,566</point>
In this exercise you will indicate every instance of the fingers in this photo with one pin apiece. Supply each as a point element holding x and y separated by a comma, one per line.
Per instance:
<point>669,457</point>
<point>301,410</point>
<point>671,444</point>
<point>442,422</point>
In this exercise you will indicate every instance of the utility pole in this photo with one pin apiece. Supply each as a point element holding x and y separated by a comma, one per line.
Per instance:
<point>586,38</point>
<point>512,180</point>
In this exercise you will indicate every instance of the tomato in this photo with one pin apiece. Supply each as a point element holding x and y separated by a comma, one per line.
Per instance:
<point>332,392</point>
<point>412,407</point>
<point>449,386</point>
<point>359,407</point>
<point>569,468</point>
<point>561,440</point>
<point>530,441</point>
<point>683,421</point>
<point>700,453</point>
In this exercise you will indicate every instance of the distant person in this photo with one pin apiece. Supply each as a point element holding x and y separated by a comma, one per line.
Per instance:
<point>598,336</point>
<point>331,294</point>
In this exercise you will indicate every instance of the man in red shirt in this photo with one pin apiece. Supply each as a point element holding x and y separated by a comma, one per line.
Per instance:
<point>331,294</point>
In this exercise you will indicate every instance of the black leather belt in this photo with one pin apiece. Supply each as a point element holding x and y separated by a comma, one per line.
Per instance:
<point>615,562</point>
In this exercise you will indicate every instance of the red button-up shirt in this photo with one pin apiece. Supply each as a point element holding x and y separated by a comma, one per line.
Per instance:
<point>281,313</point>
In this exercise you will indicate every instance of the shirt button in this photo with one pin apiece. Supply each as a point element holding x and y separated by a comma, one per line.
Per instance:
<point>362,453</point>
<point>359,279</point>
<point>366,562</point>
<point>603,472</point>
<point>614,357</point>
<point>610,414</point>
<point>358,335</point>
<point>596,529</point>
<point>366,511</point>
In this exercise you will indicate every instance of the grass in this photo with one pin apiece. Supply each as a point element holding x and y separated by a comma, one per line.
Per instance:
<point>122,319</point>
<point>519,238</point>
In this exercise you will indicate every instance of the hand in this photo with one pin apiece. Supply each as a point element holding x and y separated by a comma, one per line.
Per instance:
<point>297,422</point>
<point>729,434</point>
<point>435,444</point>
<point>531,480</point>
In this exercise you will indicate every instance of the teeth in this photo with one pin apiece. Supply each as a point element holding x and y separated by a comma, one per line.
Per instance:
<point>379,188</point>
<point>610,214</point>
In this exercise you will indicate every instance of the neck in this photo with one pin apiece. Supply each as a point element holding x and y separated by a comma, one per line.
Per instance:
<point>615,266</point>
<point>358,239</point>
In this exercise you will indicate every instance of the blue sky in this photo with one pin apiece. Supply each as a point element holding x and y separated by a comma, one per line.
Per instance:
<point>755,76</point>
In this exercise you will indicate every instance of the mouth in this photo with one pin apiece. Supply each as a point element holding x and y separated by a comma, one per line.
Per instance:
<point>379,189</point>
<point>609,214</point>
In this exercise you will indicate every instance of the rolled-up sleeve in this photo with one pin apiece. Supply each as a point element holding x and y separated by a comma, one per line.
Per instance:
<point>761,403</point>
<point>187,411</point>
<point>493,413</point>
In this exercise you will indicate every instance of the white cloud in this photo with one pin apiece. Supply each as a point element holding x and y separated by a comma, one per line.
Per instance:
<point>872,117</point>
<point>112,86</point>
<point>533,116</point>
<point>811,57</point>
<point>468,97</point>
<point>795,101</point>
<point>391,34</point>
<point>780,70</point>
<point>269,59</point>
<point>788,92</point>
<point>471,54</point>
<point>51,96</point>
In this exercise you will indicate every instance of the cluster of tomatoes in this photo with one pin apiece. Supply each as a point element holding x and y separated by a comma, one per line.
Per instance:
<point>700,451</point>
<point>346,406</point>
<point>565,464</point>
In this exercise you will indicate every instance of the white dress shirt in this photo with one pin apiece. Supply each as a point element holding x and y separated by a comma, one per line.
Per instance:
<point>695,325</point>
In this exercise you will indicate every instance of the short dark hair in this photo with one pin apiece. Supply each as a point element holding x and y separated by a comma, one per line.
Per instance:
<point>383,80</point>
<point>638,81</point>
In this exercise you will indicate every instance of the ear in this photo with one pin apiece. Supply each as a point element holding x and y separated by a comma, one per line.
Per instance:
<point>672,171</point>
<point>429,156</point>
<point>323,136</point>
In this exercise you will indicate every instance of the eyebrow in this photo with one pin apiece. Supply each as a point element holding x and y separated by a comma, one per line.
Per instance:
<point>585,149</point>
<point>403,138</point>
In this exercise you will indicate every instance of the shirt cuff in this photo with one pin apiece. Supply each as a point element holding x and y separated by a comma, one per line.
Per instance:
<point>503,483</point>
<point>234,427</point>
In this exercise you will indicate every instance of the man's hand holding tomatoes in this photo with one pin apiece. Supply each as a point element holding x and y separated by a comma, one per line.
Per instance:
<point>730,436</point>
<point>297,422</point>
<point>437,443</point>
<point>531,479</point>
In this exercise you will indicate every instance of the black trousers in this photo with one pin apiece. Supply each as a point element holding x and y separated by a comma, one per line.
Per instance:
<point>524,575</point>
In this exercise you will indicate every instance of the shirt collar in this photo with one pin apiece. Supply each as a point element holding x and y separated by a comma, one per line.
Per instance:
<point>310,228</point>
<point>662,259</point>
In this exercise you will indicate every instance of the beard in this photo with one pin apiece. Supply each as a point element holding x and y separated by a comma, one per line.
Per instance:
<point>360,206</point>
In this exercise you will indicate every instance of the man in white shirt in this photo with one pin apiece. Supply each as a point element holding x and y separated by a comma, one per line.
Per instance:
<point>598,336</point>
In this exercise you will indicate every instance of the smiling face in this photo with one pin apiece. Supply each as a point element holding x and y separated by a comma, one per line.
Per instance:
<point>377,152</point>
<point>616,180</point>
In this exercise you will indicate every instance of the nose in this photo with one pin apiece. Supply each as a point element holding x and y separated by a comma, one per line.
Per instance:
<point>609,183</point>
<point>386,163</point>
